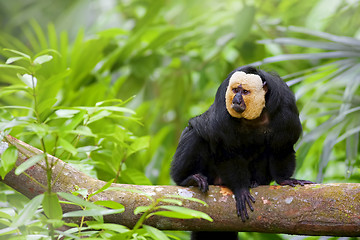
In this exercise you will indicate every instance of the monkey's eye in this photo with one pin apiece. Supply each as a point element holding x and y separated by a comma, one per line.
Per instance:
<point>246,92</point>
<point>236,90</point>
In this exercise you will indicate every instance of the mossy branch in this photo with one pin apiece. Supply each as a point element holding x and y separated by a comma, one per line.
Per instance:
<point>319,209</point>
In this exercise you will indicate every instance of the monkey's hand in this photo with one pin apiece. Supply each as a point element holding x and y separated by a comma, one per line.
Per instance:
<point>243,197</point>
<point>197,180</point>
<point>293,182</point>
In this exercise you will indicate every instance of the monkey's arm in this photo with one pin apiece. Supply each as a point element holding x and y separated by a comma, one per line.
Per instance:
<point>282,159</point>
<point>189,164</point>
<point>282,165</point>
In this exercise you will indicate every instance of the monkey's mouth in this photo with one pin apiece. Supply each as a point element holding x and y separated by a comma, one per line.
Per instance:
<point>238,107</point>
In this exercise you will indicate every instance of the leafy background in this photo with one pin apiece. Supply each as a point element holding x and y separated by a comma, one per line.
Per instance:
<point>126,76</point>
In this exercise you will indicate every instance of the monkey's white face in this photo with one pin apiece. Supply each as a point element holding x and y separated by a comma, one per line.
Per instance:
<point>252,95</point>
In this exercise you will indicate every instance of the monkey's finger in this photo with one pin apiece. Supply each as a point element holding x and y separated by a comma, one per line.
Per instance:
<point>246,213</point>
<point>201,182</point>
<point>289,182</point>
<point>240,205</point>
<point>204,187</point>
<point>252,198</point>
<point>243,205</point>
<point>307,182</point>
<point>245,210</point>
<point>250,204</point>
<point>243,213</point>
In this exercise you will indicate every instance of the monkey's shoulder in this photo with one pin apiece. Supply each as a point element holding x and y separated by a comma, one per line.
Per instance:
<point>202,124</point>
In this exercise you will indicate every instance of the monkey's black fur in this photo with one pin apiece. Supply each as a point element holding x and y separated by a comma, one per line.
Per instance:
<point>216,148</point>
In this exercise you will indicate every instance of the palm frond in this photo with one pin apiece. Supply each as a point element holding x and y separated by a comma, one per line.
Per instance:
<point>331,89</point>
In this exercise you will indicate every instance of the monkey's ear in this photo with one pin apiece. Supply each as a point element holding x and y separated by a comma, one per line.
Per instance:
<point>265,87</point>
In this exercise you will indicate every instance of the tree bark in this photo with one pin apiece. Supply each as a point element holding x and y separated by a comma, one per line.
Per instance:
<point>317,209</point>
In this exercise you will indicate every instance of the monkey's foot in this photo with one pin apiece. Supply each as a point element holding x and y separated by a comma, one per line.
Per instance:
<point>242,198</point>
<point>293,182</point>
<point>197,180</point>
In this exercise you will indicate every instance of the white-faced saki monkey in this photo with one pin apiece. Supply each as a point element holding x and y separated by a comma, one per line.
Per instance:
<point>245,139</point>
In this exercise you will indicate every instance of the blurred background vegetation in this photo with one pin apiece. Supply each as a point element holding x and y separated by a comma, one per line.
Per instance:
<point>164,60</point>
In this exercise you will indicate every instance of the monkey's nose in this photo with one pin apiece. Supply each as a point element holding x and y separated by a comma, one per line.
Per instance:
<point>238,107</point>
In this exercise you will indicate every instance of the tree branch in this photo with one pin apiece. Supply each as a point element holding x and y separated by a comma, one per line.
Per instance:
<point>319,209</point>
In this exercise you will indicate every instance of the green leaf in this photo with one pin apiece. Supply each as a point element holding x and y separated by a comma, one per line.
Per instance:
<point>66,113</point>
<point>92,212</point>
<point>46,105</point>
<point>7,213</point>
<point>79,201</point>
<point>110,204</point>
<point>82,191</point>
<point>243,23</point>
<point>74,122</point>
<point>13,123</point>
<point>308,56</point>
<point>40,129</point>
<point>322,10</point>
<point>51,206</point>
<point>171,214</point>
<point>39,33</point>
<point>18,53</point>
<point>103,188</point>
<point>329,143</point>
<point>57,223</point>
<point>8,230</point>
<point>13,59</point>
<point>308,43</point>
<point>16,107</point>
<point>13,89</point>
<point>135,176</point>
<point>28,79</point>
<point>43,59</point>
<point>92,110</point>
<point>53,38</point>
<point>66,145</point>
<point>340,39</point>
<point>112,32</point>
<point>83,131</point>
<point>139,144</point>
<point>28,212</point>
<point>13,67</point>
<point>142,209</point>
<point>173,201</point>
<point>348,133</point>
<point>155,233</point>
<point>181,212</point>
<point>28,163</point>
<point>112,101</point>
<point>108,226</point>
<point>8,159</point>
<point>98,115</point>
<point>188,198</point>
<point>87,149</point>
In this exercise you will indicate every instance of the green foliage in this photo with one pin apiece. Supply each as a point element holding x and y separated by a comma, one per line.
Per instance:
<point>157,208</point>
<point>109,88</point>
<point>329,94</point>
<point>8,160</point>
